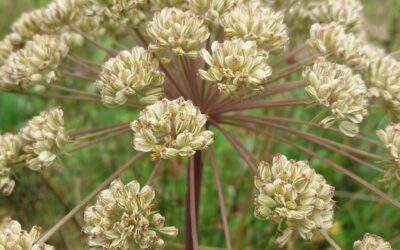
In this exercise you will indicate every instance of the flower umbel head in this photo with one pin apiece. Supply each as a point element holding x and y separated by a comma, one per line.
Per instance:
<point>170,129</point>
<point>236,65</point>
<point>337,88</point>
<point>123,218</point>
<point>177,30</point>
<point>371,242</point>
<point>211,9</point>
<point>10,152</point>
<point>390,138</point>
<point>131,73</point>
<point>13,237</point>
<point>43,138</point>
<point>37,62</point>
<point>253,22</point>
<point>293,195</point>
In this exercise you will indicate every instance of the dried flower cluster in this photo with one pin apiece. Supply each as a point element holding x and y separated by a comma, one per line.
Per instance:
<point>371,242</point>
<point>13,237</point>
<point>131,73</point>
<point>124,218</point>
<point>337,88</point>
<point>37,62</point>
<point>170,129</point>
<point>293,194</point>
<point>182,32</point>
<point>10,148</point>
<point>236,65</point>
<point>43,138</point>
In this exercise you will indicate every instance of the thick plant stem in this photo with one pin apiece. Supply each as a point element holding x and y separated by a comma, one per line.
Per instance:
<point>194,178</point>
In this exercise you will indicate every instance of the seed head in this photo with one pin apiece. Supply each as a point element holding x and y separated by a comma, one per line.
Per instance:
<point>372,242</point>
<point>252,21</point>
<point>236,65</point>
<point>390,139</point>
<point>123,218</point>
<point>13,237</point>
<point>170,129</point>
<point>177,30</point>
<point>131,73</point>
<point>337,88</point>
<point>10,152</point>
<point>293,194</point>
<point>347,13</point>
<point>43,138</point>
<point>331,39</point>
<point>36,63</point>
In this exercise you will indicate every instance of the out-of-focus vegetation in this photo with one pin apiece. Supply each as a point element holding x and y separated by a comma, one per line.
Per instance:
<point>37,201</point>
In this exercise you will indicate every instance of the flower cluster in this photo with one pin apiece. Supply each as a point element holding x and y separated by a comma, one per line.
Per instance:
<point>10,148</point>
<point>170,129</point>
<point>117,14</point>
<point>390,138</point>
<point>371,242</point>
<point>37,62</point>
<point>347,13</point>
<point>211,9</point>
<point>252,21</point>
<point>293,194</point>
<point>332,40</point>
<point>336,87</point>
<point>43,138</point>
<point>13,237</point>
<point>236,65</point>
<point>131,73</point>
<point>123,218</point>
<point>177,30</point>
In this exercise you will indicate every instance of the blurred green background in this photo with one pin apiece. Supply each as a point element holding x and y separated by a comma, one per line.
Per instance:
<point>37,199</point>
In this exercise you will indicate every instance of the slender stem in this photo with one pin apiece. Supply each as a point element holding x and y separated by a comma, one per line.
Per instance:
<point>291,69</point>
<point>289,54</point>
<point>94,130</point>
<point>330,240</point>
<point>74,75</point>
<point>108,50</point>
<point>87,199</point>
<point>154,173</point>
<point>77,60</point>
<point>338,167</point>
<point>220,198</point>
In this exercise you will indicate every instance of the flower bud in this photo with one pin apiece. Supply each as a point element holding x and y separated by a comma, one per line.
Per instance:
<point>372,242</point>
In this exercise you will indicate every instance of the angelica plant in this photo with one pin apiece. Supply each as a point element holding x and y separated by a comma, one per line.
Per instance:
<point>188,71</point>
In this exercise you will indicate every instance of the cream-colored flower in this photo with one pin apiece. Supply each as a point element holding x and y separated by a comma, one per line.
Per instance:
<point>390,138</point>
<point>170,129</point>
<point>43,138</point>
<point>211,9</point>
<point>347,13</point>
<point>116,15</point>
<point>183,32</point>
<point>236,65</point>
<point>252,21</point>
<point>13,237</point>
<point>337,88</point>
<point>293,194</point>
<point>10,152</point>
<point>131,73</point>
<point>372,242</point>
<point>36,63</point>
<point>124,218</point>
<point>332,40</point>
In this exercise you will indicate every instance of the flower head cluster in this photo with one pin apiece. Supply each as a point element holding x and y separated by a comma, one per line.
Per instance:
<point>347,13</point>
<point>293,194</point>
<point>390,138</point>
<point>123,218</point>
<point>117,14</point>
<point>37,62</point>
<point>211,9</point>
<point>160,4</point>
<point>7,46</point>
<point>170,129</point>
<point>371,242</point>
<point>131,73</point>
<point>43,138</point>
<point>252,21</point>
<point>177,30</point>
<point>336,87</point>
<point>236,65</point>
<point>10,148</point>
<point>384,75</point>
<point>331,39</point>
<point>13,237</point>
